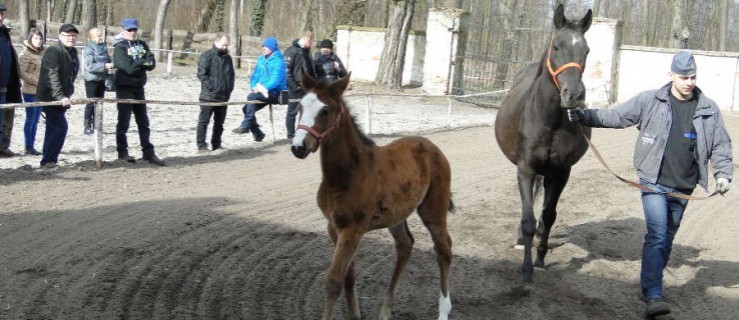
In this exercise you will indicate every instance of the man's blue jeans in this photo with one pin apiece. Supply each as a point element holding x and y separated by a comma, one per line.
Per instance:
<point>250,111</point>
<point>662,214</point>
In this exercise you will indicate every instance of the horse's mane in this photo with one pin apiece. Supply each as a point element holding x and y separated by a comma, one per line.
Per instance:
<point>363,137</point>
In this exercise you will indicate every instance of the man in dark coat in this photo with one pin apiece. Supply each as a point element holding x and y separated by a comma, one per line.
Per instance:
<point>10,84</point>
<point>59,67</point>
<point>132,59</point>
<point>216,74</point>
<point>327,63</point>
<point>297,61</point>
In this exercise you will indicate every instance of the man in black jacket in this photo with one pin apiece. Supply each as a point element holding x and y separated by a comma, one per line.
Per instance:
<point>327,63</point>
<point>10,84</point>
<point>132,59</point>
<point>297,61</point>
<point>59,67</point>
<point>216,74</point>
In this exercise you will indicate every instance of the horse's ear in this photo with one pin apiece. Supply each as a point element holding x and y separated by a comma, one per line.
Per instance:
<point>337,87</point>
<point>307,81</point>
<point>559,17</point>
<point>584,23</point>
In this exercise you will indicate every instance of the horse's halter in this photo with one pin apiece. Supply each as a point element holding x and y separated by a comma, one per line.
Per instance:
<point>320,137</point>
<point>555,73</point>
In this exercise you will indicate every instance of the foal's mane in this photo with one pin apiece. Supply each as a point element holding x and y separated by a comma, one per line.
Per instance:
<point>323,85</point>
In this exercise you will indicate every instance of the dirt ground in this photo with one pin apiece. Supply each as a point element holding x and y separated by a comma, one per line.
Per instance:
<point>237,234</point>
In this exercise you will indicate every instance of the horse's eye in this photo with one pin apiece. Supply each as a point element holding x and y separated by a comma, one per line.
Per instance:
<point>324,111</point>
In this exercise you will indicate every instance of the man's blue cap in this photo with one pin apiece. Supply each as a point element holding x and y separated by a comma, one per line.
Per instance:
<point>130,23</point>
<point>683,63</point>
<point>270,43</point>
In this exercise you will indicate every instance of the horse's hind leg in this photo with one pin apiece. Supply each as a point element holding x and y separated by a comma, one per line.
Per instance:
<point>403,248</point>
<point>554,184</point>
<point>433,212</point>
<point>341,272</point>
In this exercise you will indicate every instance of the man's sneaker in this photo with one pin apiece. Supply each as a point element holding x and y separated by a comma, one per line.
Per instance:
<point>49,166</point>
<point>240,130</point>
<point>656,307</point>
<point>155,160</point>
<point>6,153</point>
<point>259,136</point>
<point>32,152</point>
<point>89,131</point>
<point>128,159</point>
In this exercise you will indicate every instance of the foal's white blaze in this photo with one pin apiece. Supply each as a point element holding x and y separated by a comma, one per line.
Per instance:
<point>311,106</point>
<point>445,306</point>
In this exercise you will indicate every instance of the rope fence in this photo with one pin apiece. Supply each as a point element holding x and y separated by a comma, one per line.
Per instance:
<point>99,103</point>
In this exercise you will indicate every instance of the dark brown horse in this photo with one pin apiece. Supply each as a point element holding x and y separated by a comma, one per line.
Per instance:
<point>366,187</point>
<point>534,133</point>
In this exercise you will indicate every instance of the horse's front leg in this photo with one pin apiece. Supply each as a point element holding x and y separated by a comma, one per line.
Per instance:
<point>346,241</point>
<point>528,222</point>
<point>554,184</point>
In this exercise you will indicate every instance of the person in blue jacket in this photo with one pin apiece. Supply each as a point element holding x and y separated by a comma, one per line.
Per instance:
<point>265,84</point>
<point>680,131</point>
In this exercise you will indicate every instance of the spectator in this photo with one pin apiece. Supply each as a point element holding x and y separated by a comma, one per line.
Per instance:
<point>297,61</point>
<point>680,130</point>
<point>97,65</point>
<point>216,74</point>
<point>132,59</point>
<point>265,84</point>
<point>30,66</point>
<point>327,64</point>
<point>10,84</point>
<point>59,67</point>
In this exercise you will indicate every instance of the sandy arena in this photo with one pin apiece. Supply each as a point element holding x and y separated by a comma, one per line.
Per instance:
<point>237,234</point>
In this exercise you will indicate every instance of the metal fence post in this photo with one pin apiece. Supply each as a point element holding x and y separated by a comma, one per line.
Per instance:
<point>449,114</point>
<point>170,53</point>
<point>369,114</point>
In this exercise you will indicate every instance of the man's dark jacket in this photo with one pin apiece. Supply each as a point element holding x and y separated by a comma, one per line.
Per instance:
<point>56,77</point>
<point>297,59</point>
<point>216,74</point>
<point>132,59</point>
<point>14,82</point>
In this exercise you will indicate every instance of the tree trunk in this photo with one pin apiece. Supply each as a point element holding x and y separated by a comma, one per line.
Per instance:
<point>219,15</point>
<point>504,48</point>
<point>233,29</point>
<point>49,9</point>
<point>723,24</point>
<point>596,8</point>
<point>390,72</point>
<point>23,17</point>
<point>159,27</point>
<point>108,14</point>
<point>306,20</point>
<point>349,12</point>
<point>71,8</point>
<point>680,31</point>
<point>89,16</point>
<point>205,15</point>
<point>256,23</point>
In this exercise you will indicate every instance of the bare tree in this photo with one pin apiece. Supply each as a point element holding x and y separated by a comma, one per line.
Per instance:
<point>89,16</point>
<point>680,30</point>
<point>23,17</point>
<point>233,30</point>
<point>390,72</point>
<point>71,8</point>
<point>159,26</point>
<point>306,19</point>
<point>205,15</point>
<point>256,23</point>
<point>723,25</point>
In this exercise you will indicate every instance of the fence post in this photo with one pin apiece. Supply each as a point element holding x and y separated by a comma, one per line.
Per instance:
<point>98,134</point>
<point>369,114</point>
<point>169,62</point>
<point>449,114</point>
<point>272,123</point>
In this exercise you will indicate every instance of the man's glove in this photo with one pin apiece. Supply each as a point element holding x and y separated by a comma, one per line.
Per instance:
<point>576,115</point>
<point>722,185</point>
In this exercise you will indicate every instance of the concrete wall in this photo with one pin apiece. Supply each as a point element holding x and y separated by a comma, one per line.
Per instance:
<point>644,68</point>
<point>360,49</point>
<point>600,70</point>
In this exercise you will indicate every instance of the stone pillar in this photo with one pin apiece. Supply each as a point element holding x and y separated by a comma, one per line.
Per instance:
<point>440,74</point>
<point>601,71</point>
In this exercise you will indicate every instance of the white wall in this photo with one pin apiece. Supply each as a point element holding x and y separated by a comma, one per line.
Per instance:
<point>360,50</point>
<point>602,63</point>
<point>644,68</point>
